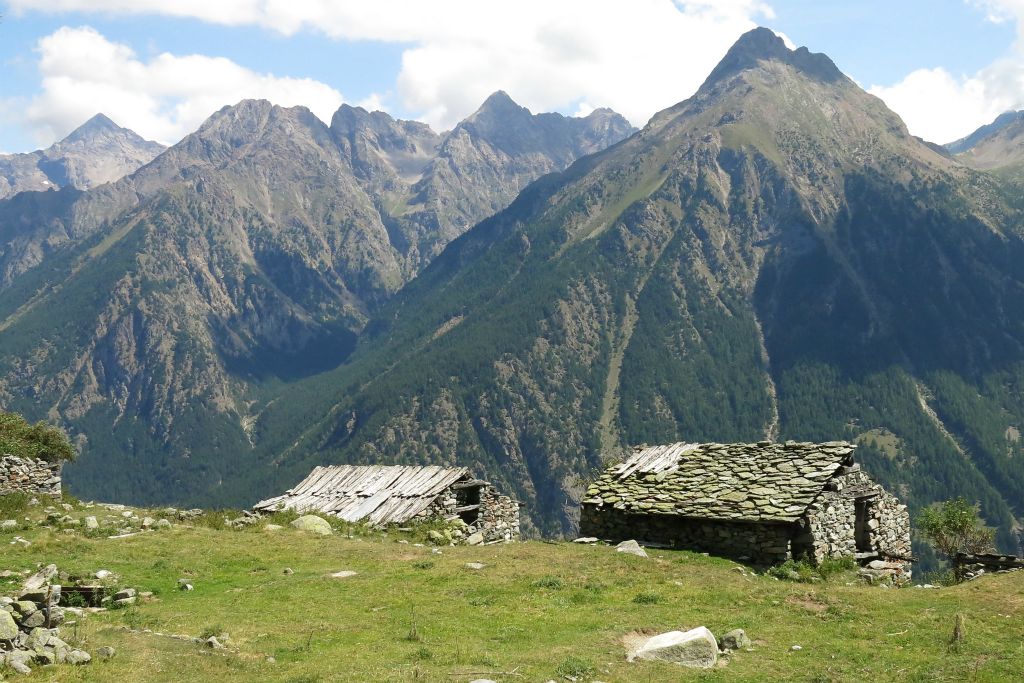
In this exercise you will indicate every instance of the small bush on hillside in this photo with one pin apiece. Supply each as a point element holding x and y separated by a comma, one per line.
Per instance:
<point>836,565</point>
<point>549,582</point>
<point>955,526</point>
<point>39,440</point>
<point>647,598</point>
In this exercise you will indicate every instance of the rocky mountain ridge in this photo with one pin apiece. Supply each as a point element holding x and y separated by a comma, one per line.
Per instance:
<point>775,257</point>
<point>97,152</point>
<point>249,254</point>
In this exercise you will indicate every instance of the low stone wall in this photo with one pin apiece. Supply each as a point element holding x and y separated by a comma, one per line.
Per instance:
<point>762,543</point>
<point>28,475</point>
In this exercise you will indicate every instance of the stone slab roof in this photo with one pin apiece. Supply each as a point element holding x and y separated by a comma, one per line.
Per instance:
<point>762,482</point>
<point>378,494</point>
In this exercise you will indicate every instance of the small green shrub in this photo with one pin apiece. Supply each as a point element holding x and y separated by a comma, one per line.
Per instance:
<point>211,631</point>
<point>836,565</point>
<point>423,564</point>
<point>549,582</point>
<point>577,667</point>
<point>646,598</point>
<point>13,504</point>
<point>39,440</point>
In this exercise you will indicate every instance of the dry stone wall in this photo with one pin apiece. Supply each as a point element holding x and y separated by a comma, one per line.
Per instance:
<point>830,527</point>
<point>762,543</point>
<point>29,475</point>
<point>497,519</point>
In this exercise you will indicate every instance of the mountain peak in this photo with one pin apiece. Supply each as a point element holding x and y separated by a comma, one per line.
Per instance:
<point>764,45</point>
<point>97,125</point>
<point>498,105</point>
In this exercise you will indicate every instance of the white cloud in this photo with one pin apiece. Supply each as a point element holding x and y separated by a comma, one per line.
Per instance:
<point>161,99</point>
<point>636,57</point>
<point>942,107</point>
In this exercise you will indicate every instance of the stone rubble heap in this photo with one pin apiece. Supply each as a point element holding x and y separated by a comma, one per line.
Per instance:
<point>29,626</point>
<point>29,475</point>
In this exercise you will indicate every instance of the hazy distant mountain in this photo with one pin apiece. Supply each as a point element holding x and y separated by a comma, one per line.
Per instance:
<point>99,151</point>
<point>775,257</point>
<point>153,314</point>
<point>997,145</point>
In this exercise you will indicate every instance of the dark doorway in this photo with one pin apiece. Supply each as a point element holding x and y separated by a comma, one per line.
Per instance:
<point>468,501</point>
<point>862,533</point>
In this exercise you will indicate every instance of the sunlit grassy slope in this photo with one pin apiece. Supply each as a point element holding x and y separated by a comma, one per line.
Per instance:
<point>537,611</point>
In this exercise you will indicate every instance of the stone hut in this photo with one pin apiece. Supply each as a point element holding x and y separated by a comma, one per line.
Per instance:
<point>397,494</point>
<point>29,475</point>
<point>763,503</point>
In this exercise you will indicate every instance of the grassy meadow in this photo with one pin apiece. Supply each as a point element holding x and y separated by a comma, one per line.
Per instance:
<point>537,611</point>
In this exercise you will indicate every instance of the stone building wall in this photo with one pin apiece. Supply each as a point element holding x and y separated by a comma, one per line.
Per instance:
<point>763,543</point>
<point>830,527</point>
<point>28,475</point>
<point>496,520</point>
<point>499,516</point>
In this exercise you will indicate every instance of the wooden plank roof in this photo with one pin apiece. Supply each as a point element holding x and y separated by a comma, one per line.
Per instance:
<point>762,482</point>
<point>379,494</point>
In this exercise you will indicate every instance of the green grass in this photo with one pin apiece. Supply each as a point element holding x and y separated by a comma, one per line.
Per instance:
<point>543,611</point>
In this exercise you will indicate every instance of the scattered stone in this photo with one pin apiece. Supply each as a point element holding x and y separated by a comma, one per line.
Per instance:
<point>41,577</point>
<point>288,571</point>
<point>313,524</point>
<point>106,652</point>
<point>272,527</point>
<point>213,643</point>
<point>475,539</point>
<point>633,548</point>
<point>124,593</point>
<point>475,565</point>
<point>8,629</point>
<point>795,648</point>
<point>344,574</point>
<point>736,639</point>
<point>9,524</point>
<point>91,522</point>
<point>78,657</point>
<point>696,648</point>
<point>162,524</point>
<point>102,574</point>
<point>436,536</point>
<point>586,539</point>
<point>184,585</point>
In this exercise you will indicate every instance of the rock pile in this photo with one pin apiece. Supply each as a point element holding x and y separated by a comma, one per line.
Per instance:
<point>29,475</point>
<point>29,626</point>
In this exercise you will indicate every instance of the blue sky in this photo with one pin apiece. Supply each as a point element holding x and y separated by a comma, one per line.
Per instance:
<point>160,68</point>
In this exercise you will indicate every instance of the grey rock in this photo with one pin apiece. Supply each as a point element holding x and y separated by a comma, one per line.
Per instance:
<point>8,524</point>
<point>736,639</point>
<point>124,593</point>
<point>313,525</point>
<point>213,643</point>
<point>40,578</point>
<point>78,657</point>
<point>103,574</point>
<point>91,522</point>
<point>8,629</point>
<point>696,648</point>
<point>106,652</point>
<point>586,539</point>
<point>34,620</point>
<point>475,565</point>
<point>631,547</point>
<point>475,539</point>
<point>162,524</point>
